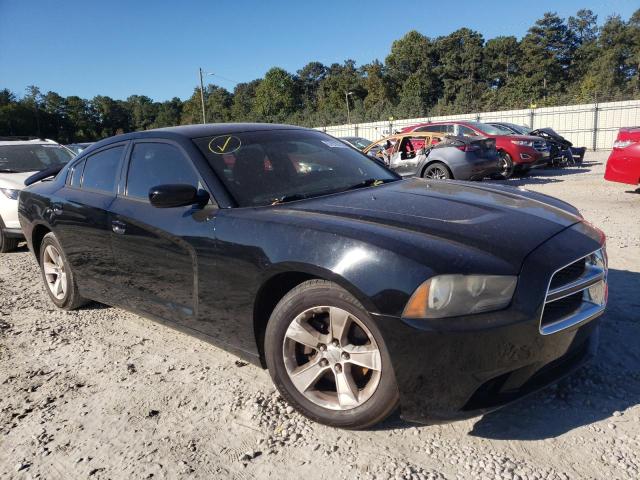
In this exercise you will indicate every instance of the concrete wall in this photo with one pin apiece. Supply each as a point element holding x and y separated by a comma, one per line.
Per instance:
<point>594,126</point>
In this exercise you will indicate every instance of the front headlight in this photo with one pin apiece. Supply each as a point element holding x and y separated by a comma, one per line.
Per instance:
<point>10,193</point>
<point>524,143</point>
<point>453,295</point>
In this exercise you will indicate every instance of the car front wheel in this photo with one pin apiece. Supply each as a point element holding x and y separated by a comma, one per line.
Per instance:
<point>506,166</point>
<point>57,275</point>
<point>328,359</point>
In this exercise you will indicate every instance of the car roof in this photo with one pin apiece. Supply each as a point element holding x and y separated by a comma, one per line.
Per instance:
<point>22,141</point>
<point>209,129</point>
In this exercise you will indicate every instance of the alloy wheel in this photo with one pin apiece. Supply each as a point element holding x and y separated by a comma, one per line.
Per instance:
<point>332,358</point>
<point>505,165</point>
<point>436,173</point>
<point>54,272</point>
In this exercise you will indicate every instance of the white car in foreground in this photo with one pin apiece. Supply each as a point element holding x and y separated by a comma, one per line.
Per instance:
<point>20,158</point>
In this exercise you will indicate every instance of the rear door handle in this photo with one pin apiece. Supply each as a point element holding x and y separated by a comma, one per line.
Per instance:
<point>118,227</point>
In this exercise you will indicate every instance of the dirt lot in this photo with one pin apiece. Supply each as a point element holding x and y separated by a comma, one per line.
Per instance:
<point>102,393</point>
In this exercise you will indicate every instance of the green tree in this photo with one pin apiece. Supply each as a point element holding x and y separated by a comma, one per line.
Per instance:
<point>142,111</point>
<point>113,116</point>
<point>461,68</point>
<point>501,61</point>
<point>244,94</point>
<point>218,102</point>
<point>546,55</point>
<point>169,113</point>
<point>275,98</point>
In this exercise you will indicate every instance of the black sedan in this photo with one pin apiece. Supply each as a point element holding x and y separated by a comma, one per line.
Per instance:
<point>358,290</point>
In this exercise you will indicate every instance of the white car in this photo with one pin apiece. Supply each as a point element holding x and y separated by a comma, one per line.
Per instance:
<point>20,158</point>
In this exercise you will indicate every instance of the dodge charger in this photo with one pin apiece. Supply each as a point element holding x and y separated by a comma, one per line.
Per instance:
<point>359,291</point>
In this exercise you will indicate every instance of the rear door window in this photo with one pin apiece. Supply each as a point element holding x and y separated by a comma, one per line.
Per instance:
<point>154,164</point>
<point>101,170</point>
<point>466,131</point>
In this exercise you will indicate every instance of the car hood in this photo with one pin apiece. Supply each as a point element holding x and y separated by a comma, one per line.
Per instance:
<point>14,181</point>
<point>505,222</point>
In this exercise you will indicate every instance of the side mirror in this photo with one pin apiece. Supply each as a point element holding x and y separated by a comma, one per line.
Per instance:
<point>176,195</point>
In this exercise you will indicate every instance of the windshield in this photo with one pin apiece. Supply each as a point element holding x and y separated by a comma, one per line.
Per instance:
<point>268,167</point>
<point>505,130</point>
<point>521,129</point>
<point>31,158</point>
<point>359,142</point>
<point>486,128</point>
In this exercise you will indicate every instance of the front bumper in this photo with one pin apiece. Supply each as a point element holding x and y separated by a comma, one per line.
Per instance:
<point>455,368</point>
<point>10,229</point>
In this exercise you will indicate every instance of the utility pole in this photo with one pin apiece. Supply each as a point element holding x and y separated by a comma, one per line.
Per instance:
<point>346,99</point>
<point>204,113</point>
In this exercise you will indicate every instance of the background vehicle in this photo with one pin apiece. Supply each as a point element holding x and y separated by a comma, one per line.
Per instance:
<point>518,153</point>
<point>511,128</point>
<point>358,142</point>
<point>78,147</point>
<point>560,150</point>
<point>20,157</point>
<point>433,155</point>
<point>357,289</point>
<point>624,161</point>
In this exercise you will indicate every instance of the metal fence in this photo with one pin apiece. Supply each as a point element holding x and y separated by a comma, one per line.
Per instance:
<point>592,125</point>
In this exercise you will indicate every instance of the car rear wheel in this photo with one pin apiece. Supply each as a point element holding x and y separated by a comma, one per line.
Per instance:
<point>506,166</point>
<point>437,171</point>
<point>57,275</point>
<point>7,244</point>
<point>327,357</point>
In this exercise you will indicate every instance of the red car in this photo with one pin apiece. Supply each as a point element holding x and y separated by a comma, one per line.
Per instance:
<point>518,153</point>
<point>624,162</point>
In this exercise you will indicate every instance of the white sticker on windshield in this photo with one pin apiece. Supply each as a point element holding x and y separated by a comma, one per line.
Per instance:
<point>334,144</point>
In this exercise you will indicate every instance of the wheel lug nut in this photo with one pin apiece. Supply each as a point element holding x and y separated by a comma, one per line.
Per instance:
<point>345,355</point>
<point>322,347</point>
<point>335,342</point>
<point>324,362</point>
<point>338,368</point>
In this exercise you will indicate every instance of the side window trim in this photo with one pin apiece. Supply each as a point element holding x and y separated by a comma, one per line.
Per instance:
<point>127,166</point>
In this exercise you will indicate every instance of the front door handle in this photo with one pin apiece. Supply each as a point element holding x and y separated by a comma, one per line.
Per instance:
<point>118,227</point>
<point>56,209</point>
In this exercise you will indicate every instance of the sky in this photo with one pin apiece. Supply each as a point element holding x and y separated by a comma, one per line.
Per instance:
<point>120,48</point>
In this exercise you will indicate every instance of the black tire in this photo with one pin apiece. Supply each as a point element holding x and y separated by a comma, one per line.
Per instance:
<point>315,293</point>
<point>437,171</point>
<point>70,299</point>
<point>7,244</point>
<point>506,166</point>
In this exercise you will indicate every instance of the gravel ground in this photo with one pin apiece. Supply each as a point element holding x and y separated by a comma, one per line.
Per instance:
<point>103,393</point>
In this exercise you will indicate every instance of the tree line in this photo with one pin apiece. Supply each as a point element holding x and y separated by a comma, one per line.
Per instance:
<point>559,61</point>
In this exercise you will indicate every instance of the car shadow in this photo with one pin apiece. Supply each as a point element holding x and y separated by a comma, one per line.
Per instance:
<point>604,389</point>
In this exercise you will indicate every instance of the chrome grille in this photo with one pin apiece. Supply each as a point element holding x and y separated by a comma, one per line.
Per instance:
<point>577,293</point>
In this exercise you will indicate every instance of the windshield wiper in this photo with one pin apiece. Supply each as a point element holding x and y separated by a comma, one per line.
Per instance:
<point>289,198</point>
<point>369,182</point>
